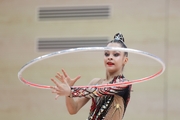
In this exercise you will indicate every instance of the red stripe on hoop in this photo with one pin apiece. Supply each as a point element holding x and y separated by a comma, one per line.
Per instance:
<point>98,86</point>
<point>35,85</point>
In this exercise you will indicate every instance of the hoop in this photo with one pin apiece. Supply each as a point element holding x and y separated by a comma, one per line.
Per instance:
<point>73,50</point>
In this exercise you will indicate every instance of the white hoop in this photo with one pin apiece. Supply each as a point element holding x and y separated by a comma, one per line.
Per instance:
<point>73,50</point>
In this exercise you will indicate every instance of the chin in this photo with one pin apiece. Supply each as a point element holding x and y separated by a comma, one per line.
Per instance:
<point>111,70</point>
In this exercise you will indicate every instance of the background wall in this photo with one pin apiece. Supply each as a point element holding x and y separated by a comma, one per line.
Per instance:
<point>152,26</point>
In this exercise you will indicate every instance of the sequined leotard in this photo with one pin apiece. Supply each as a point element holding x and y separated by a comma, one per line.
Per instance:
<point>107,103</point>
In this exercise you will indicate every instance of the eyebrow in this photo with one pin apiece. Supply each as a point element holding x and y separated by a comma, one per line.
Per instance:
<point>113,51</point>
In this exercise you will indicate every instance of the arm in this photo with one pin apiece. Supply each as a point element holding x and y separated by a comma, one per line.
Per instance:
<point>75,104</point>
<point>90,92</point>
<point>63,89</point>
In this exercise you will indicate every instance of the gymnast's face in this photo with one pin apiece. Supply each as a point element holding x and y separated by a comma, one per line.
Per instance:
<point>114,61</point>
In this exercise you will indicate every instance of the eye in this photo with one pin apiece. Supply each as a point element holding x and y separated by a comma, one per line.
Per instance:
<point>106,54</point>
<point>116,54</point>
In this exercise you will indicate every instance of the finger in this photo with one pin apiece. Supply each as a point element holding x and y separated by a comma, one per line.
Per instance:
<point>54,83</point>
<point>53,88</point>
<point>77,78</point>
<point>59,77</point>
<point>62,79</point>
<point>59,74</point>
<point>56,97</point>
<point>58,92</point>
<point>65,74</point>
<point>54,91</point>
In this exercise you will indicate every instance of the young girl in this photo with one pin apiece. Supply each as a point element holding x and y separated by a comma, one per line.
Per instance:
<point>108,103</point>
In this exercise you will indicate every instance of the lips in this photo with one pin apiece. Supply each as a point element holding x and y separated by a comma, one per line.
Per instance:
<point>110,63</point>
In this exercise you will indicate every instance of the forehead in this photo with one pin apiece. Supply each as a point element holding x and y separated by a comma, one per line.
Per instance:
<point>113,45</point>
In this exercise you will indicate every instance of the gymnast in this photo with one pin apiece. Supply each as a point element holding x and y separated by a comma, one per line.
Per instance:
<point>108,103</point>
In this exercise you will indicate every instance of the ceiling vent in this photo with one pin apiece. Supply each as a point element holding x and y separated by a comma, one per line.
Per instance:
<point>78,12</point>
<point>56,44</point>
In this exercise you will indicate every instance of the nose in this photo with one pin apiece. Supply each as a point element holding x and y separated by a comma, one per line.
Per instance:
<point>110,57</point>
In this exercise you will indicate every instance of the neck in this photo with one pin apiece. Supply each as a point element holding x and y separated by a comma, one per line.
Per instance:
<point>110,76</point>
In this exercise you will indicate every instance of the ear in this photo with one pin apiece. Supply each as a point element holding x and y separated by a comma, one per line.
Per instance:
<point>125,60</point>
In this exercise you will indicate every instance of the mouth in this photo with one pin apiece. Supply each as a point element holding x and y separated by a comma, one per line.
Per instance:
<point>110,63</point>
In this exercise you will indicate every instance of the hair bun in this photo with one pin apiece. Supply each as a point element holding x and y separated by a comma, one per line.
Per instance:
<point>119,37</point>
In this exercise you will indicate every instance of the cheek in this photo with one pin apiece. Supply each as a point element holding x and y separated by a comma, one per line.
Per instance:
<point>105,59</point>
<point>119,60</point>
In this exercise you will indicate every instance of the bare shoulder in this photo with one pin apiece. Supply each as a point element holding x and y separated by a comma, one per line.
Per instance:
<point>95,81</point>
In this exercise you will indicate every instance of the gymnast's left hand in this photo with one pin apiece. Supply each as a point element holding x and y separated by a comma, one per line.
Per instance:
<point>61,88</point>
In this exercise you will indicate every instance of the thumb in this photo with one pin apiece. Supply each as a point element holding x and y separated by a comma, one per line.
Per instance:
<point>77,78</point>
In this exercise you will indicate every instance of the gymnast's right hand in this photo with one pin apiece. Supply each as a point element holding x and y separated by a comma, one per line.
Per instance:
<point>69,80</point>
<point>61,88</point>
